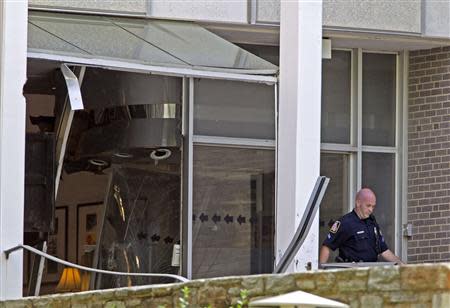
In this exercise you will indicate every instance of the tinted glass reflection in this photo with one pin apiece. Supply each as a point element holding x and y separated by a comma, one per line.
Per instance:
<point>336,101</point>
<point>378,173</point>
<point>234,109</point>
<point>335,203</point>
<point>379,92</point>
<point>233,223</point>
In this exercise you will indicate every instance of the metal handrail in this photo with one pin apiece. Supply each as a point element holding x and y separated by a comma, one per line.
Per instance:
<point>354,264</point>
<point>305,224</point>
<point>89,269</point>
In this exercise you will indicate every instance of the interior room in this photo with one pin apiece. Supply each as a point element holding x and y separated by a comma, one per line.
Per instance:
<point>106,184</point>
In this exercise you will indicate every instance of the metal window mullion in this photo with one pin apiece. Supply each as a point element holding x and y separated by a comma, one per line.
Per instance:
<point>336,147</point>
<point>378,149</point>
<point>354,98</point>
<point>403,152</point>
<point>397,158</point>
<point>187,177</point>
<point>341,48</point>
<point>234,142</point>
<point>276,172</point>
<point>352,158</point>
<point>353,175</point>
<point>184,176</point>
<point>358,83</point>
<point>381,52</point>
<point>191,177</point>
<point>184,107</point>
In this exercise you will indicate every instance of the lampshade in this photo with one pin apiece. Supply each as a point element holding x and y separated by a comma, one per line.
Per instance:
<point>70,280</point>
<point>85,281</point>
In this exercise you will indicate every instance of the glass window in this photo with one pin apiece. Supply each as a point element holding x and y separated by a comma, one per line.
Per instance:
<point>142,222</point>
<point>233,206</point>
<point>104,88</point>
<point>378,104</point>
<point>378,174</point>
<point>336,99</point>
<point>234,109</point>
<point>335,202</point>
<point>266,52</point>
<point>377,100</point>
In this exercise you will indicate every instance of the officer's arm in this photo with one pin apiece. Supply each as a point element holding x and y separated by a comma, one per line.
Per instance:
<point>387,254</point>
<point>334,239</point>
<point>391,257</point>
<point>324,254</point>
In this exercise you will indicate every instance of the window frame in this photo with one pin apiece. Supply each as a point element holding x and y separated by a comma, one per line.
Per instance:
<point>191,140</point>
<point>356,148</point>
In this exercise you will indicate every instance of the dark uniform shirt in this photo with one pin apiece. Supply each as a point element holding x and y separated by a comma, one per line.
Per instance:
<point>357,239</point>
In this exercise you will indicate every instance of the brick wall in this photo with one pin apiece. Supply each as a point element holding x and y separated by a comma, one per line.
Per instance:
<point>429,155</point>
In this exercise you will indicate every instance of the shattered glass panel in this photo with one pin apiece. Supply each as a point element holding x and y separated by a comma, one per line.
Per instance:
<point>141,226</point>
<point>121,177</point>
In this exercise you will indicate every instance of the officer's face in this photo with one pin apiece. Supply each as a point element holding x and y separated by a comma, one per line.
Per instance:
<point>365,206</point>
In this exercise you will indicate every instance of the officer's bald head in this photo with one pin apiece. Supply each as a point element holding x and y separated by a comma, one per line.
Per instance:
<point>365,202</point>
<point>365,194</point>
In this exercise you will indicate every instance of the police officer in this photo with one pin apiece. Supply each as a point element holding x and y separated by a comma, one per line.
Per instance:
<point>357,234</point>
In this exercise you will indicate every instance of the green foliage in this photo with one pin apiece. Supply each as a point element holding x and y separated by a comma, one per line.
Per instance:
<point>243,300</point>
<point>183,300</point>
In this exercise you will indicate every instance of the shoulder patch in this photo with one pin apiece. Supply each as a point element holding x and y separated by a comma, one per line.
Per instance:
<point>335,227</point>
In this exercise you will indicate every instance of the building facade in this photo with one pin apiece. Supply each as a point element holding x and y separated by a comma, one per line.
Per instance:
<point>204,125</point>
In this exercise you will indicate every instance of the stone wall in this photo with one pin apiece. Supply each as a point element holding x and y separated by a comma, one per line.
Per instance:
<point>426,285</point>
<point>429,155</point>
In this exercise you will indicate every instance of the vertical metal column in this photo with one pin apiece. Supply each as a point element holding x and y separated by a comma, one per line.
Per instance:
<point>187,212</point>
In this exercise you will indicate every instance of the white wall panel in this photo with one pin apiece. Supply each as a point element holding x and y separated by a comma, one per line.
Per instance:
<point>13,15</point>
<point>205,10</point>
<point>437,18</point>
<point>125,6</point>
<point>393,15</point>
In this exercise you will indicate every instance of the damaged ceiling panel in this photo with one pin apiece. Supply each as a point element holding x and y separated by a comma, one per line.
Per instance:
<point>143,41</point>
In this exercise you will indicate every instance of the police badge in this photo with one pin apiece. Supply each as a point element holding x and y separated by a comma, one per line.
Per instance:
<point>335,227</point>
